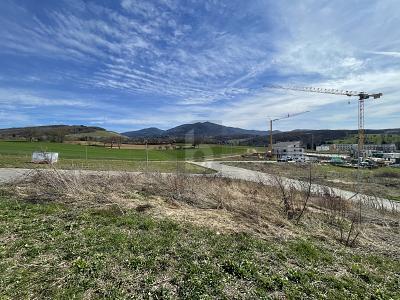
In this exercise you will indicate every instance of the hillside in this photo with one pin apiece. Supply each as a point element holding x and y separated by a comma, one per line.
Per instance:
<point>98,134</point>
<point>45,131</point>
<point>318,137</point>
<point>373,138</point>
<point>146,132</point>
<point>208,132</point>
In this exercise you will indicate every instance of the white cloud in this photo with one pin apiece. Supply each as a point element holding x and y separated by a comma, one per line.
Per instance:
<point>387,53</point>
<point>19,98</point>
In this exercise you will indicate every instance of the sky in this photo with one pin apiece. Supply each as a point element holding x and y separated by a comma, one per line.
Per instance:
<point>130,64</point>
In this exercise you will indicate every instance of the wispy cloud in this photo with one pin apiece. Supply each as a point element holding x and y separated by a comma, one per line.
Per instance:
<point>206,59</point>
<point>21,98</point>
<point>387,53</point>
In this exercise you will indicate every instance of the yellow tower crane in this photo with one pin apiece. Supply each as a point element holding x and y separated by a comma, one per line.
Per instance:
<point>271,120</point>
<point>362,96</point>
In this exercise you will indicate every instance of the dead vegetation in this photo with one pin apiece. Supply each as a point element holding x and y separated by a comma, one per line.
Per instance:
<point>223,204</point>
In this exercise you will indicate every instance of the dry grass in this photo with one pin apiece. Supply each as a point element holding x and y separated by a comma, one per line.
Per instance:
<point>119,235</point>
<point>225,205</point>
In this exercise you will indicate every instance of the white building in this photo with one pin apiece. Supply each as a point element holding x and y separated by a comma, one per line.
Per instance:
<point>367,147</point>
<point>287,150</point>
<point>323,148</point>
<point>345,147</point>
<point>386,148</point>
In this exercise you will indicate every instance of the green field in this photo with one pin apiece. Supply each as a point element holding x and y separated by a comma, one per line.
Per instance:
<point>71,151</point>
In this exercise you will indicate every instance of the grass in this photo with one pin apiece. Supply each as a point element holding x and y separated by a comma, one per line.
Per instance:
<point>13,161</point>
<point>382,182</point>
<point>71,151</point>
<point>50,250</point>
<point>370,138</point>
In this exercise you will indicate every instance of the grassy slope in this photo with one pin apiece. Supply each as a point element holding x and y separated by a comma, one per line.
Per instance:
<point>71,151</point>
<point>51,251</point>
<point>97,133</point>
<point>370,138</point>
<point>382,182</point>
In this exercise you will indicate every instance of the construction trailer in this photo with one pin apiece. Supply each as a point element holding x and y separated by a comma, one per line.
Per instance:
<point>44,157</point>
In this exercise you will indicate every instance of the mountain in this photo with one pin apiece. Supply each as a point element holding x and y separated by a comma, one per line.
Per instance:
<point>145,133</point>
<point>199,129</point>
<point>208,129</point>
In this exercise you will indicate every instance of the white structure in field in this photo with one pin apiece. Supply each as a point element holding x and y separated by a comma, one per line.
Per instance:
<point>44,157</point>
<point>288,150</point>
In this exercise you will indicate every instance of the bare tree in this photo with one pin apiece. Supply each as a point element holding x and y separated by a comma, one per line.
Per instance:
<point>308,194</point>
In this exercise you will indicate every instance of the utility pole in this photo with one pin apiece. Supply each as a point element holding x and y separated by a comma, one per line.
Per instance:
<point>147,157</point>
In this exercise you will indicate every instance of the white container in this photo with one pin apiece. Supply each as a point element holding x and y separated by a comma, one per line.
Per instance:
<point>44,157</point>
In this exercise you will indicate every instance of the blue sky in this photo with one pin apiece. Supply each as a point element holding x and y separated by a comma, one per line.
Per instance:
<point>130,64</point>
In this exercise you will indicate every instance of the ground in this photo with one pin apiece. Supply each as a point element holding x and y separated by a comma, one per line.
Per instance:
<point>382,182</point>
<point>161,237</point>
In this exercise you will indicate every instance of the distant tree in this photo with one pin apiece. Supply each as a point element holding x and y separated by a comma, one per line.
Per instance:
<point>31,134</point>
<point>60,134</point>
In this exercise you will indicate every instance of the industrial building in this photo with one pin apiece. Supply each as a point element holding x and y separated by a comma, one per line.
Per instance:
<point>386,148</point>
<point>288,150</point>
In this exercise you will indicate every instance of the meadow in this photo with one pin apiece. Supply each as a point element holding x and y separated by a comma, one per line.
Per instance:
<point>17,154</point>
<point>71,151</point>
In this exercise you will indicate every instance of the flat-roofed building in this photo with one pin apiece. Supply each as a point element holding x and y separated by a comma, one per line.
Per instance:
<point>322,148</point>
<point>291,150</point>
<point>386,148</point>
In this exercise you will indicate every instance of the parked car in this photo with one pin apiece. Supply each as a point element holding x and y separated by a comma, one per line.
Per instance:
<point>284,159</point>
